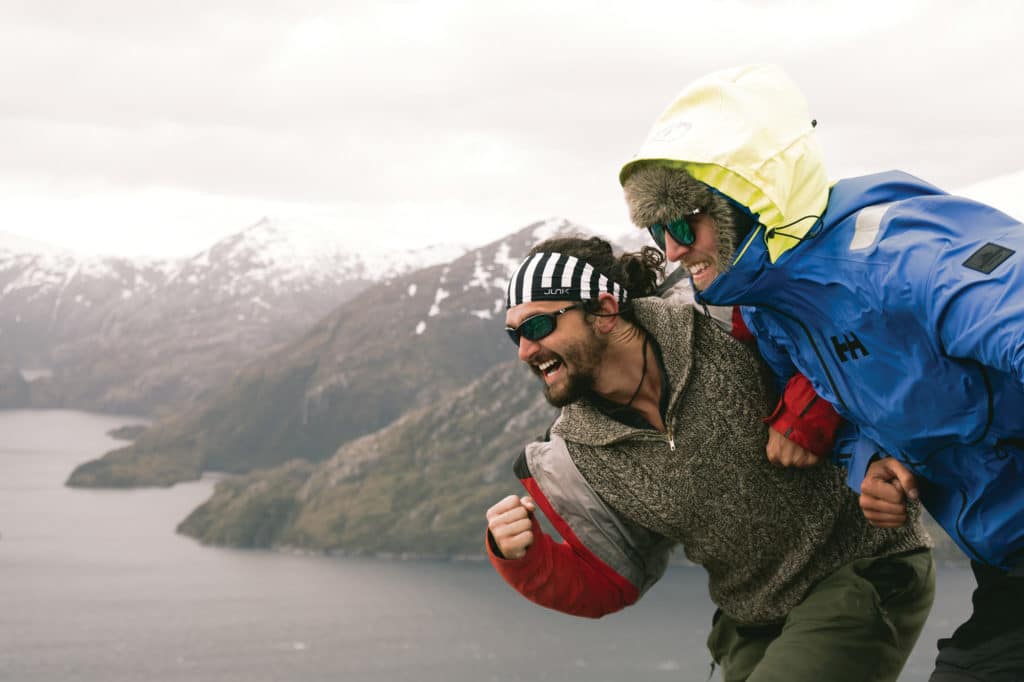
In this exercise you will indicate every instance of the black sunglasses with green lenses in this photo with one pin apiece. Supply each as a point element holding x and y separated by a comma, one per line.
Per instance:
<point>536,327</point>
<point>681,231</point>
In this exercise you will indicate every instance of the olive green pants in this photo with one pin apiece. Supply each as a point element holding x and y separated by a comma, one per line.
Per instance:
<point>858,624</point>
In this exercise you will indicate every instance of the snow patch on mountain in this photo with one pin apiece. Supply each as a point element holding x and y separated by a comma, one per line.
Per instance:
<point>482,277</point>
<point>439,296</point>
<point>505,262</point>
<point>552,227</point>
<point>296,251</point>
<point>269,256</point>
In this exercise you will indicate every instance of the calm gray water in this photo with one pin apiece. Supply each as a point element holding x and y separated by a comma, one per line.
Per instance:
<point>96,586</point>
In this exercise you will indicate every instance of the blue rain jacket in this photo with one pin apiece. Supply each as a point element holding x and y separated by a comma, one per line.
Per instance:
<point>905,309</point>
<point>903,305</point>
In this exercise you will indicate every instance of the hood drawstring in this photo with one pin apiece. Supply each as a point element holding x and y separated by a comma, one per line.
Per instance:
<point>811,234</point>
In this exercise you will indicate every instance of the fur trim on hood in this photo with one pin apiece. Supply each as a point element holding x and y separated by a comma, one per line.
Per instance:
<point>659,194</point>
<point>747,133</point>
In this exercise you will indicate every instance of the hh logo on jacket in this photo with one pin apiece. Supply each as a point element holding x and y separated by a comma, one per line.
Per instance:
<point>849,347</point>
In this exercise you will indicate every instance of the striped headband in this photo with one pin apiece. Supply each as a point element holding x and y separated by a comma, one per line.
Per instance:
<point>555,277</point>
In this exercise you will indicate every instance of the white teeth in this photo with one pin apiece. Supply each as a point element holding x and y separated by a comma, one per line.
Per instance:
<point>545,365</point>
<point>698,268</point>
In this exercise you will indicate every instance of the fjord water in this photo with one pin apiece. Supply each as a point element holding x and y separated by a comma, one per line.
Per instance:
<point>96,586</point>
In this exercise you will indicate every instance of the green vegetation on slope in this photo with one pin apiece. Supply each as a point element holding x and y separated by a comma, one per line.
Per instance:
<point>393,349</point>
<point>251,510</point>
<point>419,486</point>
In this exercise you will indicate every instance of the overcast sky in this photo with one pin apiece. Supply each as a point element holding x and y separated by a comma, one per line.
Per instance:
<point>139,127</point>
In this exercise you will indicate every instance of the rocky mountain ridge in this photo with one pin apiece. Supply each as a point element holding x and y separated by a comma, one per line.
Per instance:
<point>404,344</point>
<point>418,486</point>
<point>146,336</point>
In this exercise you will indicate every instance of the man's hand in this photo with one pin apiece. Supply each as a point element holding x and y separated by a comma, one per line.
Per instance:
<point>511,526</point>
<point>884,493</point>
<point>783,452</point>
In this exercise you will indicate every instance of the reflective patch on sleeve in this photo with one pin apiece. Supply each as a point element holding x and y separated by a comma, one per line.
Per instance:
<point>988,258</point>
<point>869,220</point>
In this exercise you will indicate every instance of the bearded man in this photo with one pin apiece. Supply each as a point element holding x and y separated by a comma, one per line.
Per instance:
<point>660,443</point>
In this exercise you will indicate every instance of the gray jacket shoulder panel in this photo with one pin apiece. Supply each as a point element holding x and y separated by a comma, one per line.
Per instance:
<point>637,554</point>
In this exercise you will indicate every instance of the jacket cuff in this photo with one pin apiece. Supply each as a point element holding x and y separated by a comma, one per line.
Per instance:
<point>865,451</point>
<point>805,418</point>
<point>492,547</point>
<point>512,570</point>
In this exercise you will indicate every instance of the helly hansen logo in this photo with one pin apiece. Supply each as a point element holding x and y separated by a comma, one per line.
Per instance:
<point>848,347</point>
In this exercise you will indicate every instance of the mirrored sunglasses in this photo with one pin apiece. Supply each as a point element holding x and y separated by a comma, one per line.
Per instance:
<point>536,327</point>
<point>681,231</point>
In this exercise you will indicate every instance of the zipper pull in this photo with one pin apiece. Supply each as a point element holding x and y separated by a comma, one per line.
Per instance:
<point>671,441</point>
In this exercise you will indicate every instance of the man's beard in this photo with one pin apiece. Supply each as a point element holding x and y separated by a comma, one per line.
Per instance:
<point>731,233</point>
<point>584,358</point>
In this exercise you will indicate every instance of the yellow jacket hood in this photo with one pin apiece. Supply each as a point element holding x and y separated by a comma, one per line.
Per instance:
<point>746,132</point>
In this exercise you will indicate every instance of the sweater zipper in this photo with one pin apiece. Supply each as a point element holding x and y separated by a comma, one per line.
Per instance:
<point>648,434</point>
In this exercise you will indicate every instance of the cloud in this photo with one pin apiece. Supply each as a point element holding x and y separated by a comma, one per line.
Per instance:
<point>505,109</point>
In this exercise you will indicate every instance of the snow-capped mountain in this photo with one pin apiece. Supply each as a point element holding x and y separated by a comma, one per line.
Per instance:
<point>137,335</point>
<point>404,344</point>
<point>14,243</point>
<point>283,256</point>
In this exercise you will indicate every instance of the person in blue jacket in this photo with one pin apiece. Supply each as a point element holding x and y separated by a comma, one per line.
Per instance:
<point>903,306</point>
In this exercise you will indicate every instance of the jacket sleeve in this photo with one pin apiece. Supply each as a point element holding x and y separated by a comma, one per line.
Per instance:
<point>804,417</point>
<point>603,562</point>
<point>974,297</point>
<point>801,415</point>
<point>552,574</point>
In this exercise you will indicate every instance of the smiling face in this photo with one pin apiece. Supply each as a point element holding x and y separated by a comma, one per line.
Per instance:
<point>566,360</point>
<point>703,257</point>
<point>660,194</point>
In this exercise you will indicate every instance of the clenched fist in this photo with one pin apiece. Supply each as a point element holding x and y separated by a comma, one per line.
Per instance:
<point>783,452</point>
<point>884,493</point>
<point>511,526</point>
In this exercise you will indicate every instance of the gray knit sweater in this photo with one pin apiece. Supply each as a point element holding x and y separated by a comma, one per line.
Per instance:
<point>765,535</point>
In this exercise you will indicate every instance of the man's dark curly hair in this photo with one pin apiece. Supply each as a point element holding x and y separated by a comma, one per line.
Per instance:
<point>639,272</point>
